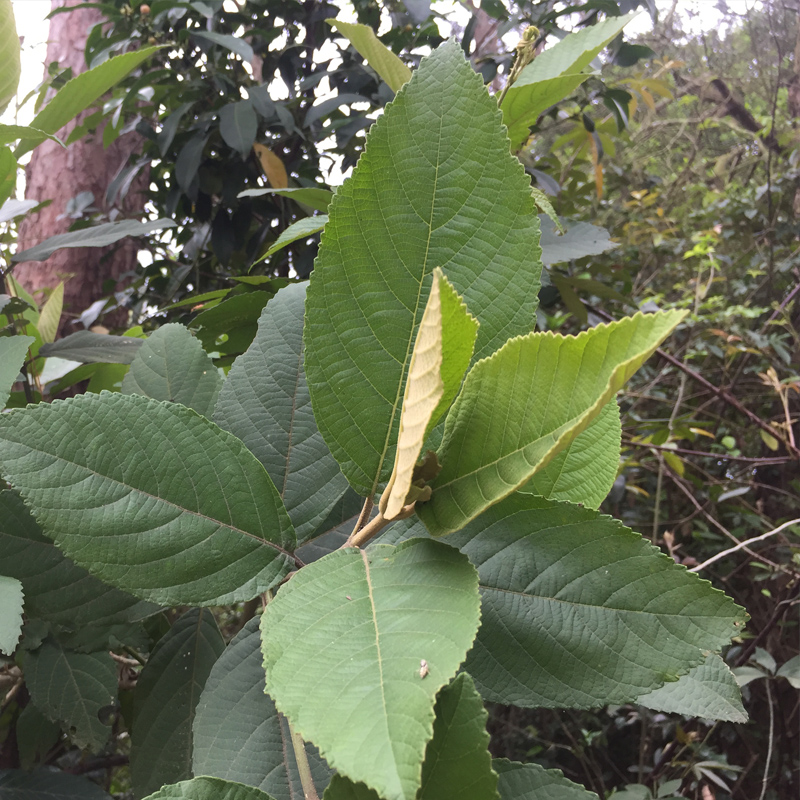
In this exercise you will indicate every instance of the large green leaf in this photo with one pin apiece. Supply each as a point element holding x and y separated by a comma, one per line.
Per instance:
<point>166,697</point>
<point>302,229</point>
<point>56,590</point>
<point>344,643</point>
<point>172,365</point>
<point>13,350</point>
<point>238,126</point>
<point>579,611</point>
<point>238,732</point>
<point>533,782</point>
<point>436,186</point>
<point>390,68</point>
<point>457,763</point>
<point>9,55</point>
<point>18,784</point>
<point>79,93</point>
<point>709,691</point>
<point>72,688</point>
<point>11,618</point>
<point>208,789</point>
<point>150,497</point>
<point>264,401</point>
<point>527,402</point>
<point>554,75</point>
<point>585,470</point>
<point>96,236</point>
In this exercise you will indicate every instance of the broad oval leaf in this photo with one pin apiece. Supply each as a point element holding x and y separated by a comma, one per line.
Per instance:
<point>166,697</point>
<point>238,732</point>
<point>71,688</point>
<point>533,782</point>
<point>343,644</point>
<point>238,126</point>
<point>172,365</point>
<point>11,618</point>
<point>265,402</point>
<point>12,356</point>
<point>709,691</point>
<point>150,497</point>
<point>442,190</point>
<point>527,402</point>
<point>579,611</point>
<point>204,788</point>
<point>19,784</point>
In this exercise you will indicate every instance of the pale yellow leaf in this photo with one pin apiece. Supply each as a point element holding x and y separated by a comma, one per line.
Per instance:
<point>50,314</point>
<point>273,167</point>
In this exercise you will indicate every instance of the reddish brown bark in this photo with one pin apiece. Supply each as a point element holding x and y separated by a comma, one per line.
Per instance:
<point>57,174</point>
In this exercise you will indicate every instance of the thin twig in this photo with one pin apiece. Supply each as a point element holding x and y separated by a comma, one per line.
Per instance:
<point>764,462</point>
<point>303,768</point>
<point>765,779</point>
<point>743,545</point>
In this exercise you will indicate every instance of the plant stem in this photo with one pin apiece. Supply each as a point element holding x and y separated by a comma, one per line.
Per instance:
<point>303,768</point>
<point>366,510</point>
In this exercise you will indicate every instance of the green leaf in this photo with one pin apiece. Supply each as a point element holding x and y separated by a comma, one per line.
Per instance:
<point>50,315</point>
<point>238,126</point>
<point>791,671</point>
<point>204,788</point>
<point>9,55</point>
<point>72,688</point>
<point>579,611</point>
<point>8,182</point>
<point>442,190</point>
<point>580,239</point>
<point>238,732</point>
<point>11,618</point>
<point>149,497</point>
<point>18,784</point>
<point>13,350</point>
<point>80,92</point>
<point>533,782</point>
<point>172,365</point>
<point>12,133</point>
<point>343,643</point>
<point>709,690</point>
<point>232,43</point>
<point>585,470</point>
<point>316,198</point>
<point>35,736</point>
<point>96,236</point>
<point>526,403</point>
<point>56,590</point>
<point>166,697</point>
<point>301,229</point>
<point>457,763</point>
<point>264,401</point>
<point>390,68</point>
<point>554,74</point>
<point>231,326</point>
<point>335,529</point>
<point>93,348</point>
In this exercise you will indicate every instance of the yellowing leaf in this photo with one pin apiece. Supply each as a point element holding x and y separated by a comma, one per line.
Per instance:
<point>272,166</point>
<point>51,314</point>
<point>769,440</point>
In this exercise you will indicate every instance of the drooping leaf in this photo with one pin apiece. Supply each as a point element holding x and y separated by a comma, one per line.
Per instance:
<point>13,350</point>
<point>172,365</point>
<point>534,782</point>
<point>50,315</point>
<point>526,403</point>
<point>580,239</point>
<point>96,236</point>
<point>150,497</point>
<point>56,590</point>
<point>579,611</point>
<point>238,732</point>
<point>352,685</point>
<point>80,92</point>
<point>238,126</point>
<point>9,55</point>
<point>317,198</point>
<point>19,784</point>
<point>166,697</point>
<point>325,107</point>
<point>442,190</point>
<point>11,133</point>
<point>92,348</point>
<point>585,470</point>
<point>390,68</point>
<point>554,74</point>
<point>72,688</point>
<point>709,690</point>
<point>273,167</point>
<point>264,401</point>
<point>302,229</point>
<point>11,618</point>
<point>232,43</point>
<point>441,355</point>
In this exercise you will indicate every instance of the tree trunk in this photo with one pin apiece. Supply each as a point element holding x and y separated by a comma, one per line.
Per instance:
<point>85,166</point>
